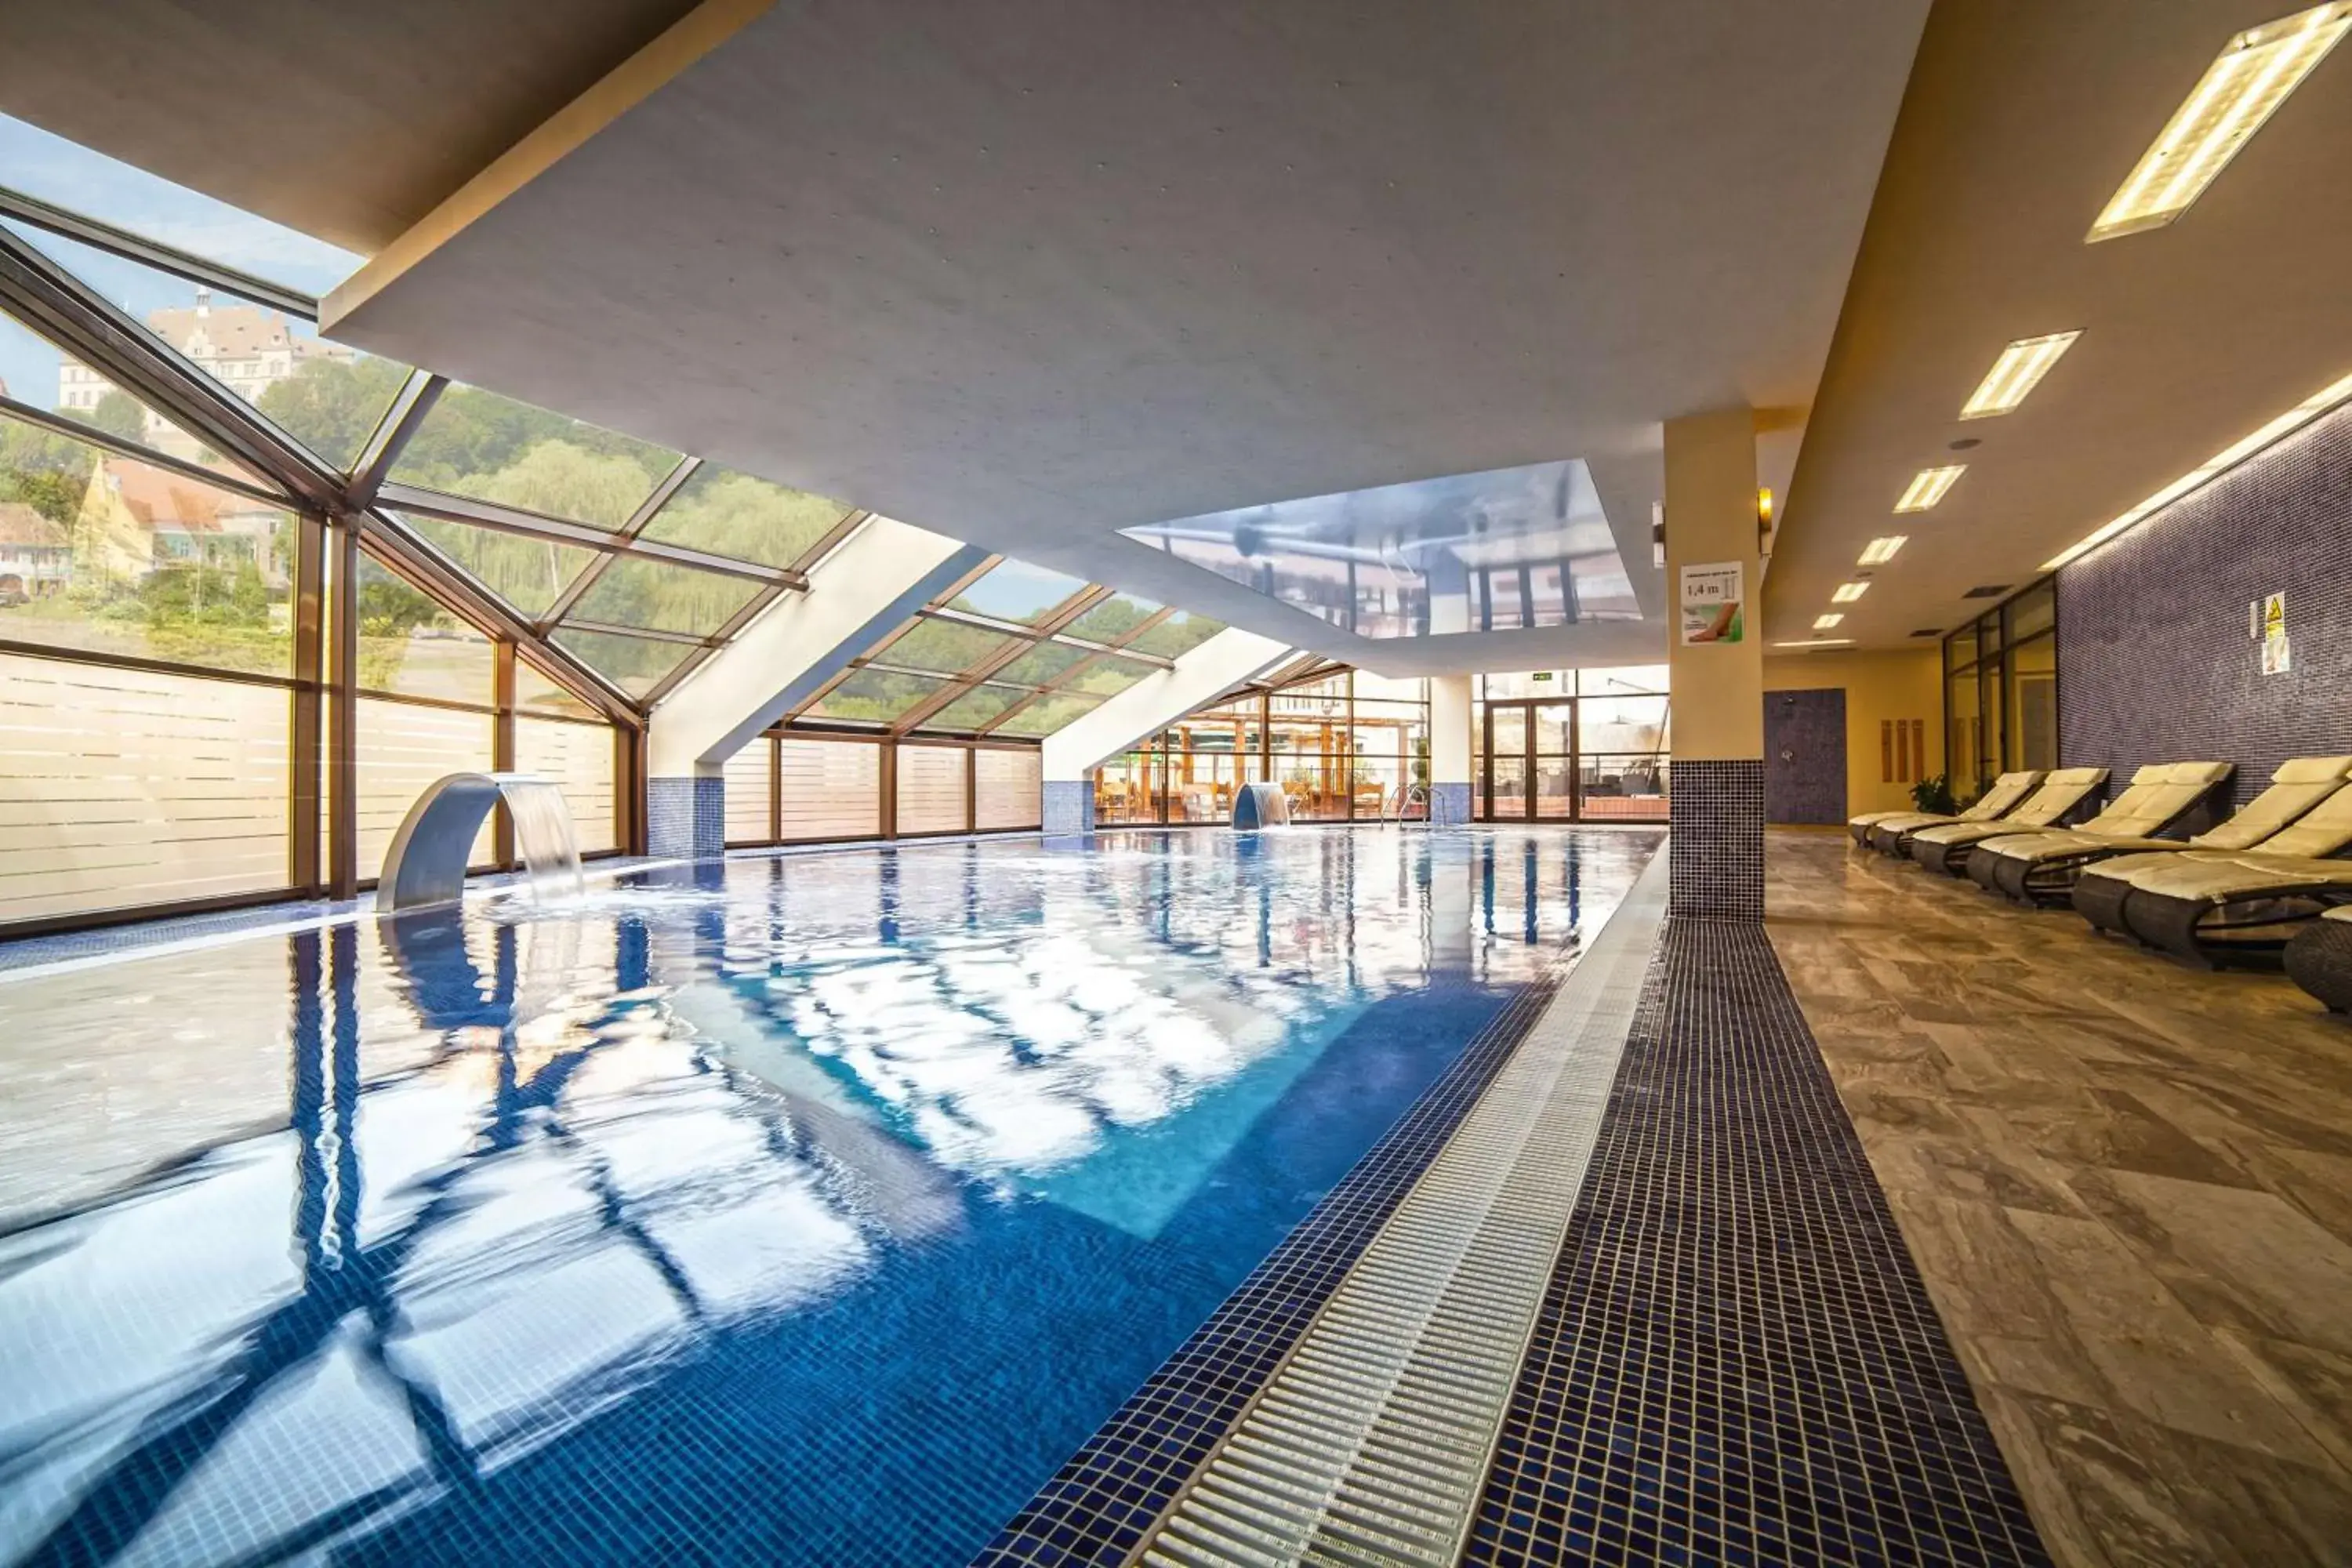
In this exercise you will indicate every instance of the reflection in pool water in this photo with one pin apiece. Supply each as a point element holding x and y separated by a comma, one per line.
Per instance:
<point>806,1210</point>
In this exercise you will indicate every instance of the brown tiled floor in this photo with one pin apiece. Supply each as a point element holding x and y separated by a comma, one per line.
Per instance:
<point>2129,1187</point>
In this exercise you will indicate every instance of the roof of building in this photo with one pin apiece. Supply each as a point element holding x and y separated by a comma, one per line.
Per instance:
<point>20,525</point>
<point>232,331</point>
<point>158,497</point>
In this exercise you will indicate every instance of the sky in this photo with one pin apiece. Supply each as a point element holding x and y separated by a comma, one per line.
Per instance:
<point>68,175</point>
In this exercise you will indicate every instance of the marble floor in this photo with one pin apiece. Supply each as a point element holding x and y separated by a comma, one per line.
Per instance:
<point>2128,1185</point>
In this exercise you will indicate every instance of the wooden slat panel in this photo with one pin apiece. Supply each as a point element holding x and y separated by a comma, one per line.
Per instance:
<point>122,787</point>
<point>400,751</point>
<point>930,789</point>
<point>579,759</point>
<point>749,789</point>
<point>832,789</point>
<point>1008,789</point>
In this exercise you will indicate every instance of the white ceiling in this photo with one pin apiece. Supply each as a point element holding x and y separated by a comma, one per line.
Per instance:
<point>2021,119</point>
<point>1032,272</point>
<point>349,119</point>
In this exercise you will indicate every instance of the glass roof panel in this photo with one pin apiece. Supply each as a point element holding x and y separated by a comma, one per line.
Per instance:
<point>1017,591</point>
<point>529,573</point>
<point>112,555</point>
<point>1114,618</point>
<point>475,443</point>
<point>875,697</point>
<point>972,710</point>
<point>1511,548</point>
<point>539,692</point>
<point>1047,714</point>
<point>409,644</point>
<point>95,186</point>
<point>662,597</point>
<point>943,645</point>
<point>636,665</point>
<point>34,370</point>
<point>1041,664</point>
<point>1178,634</point>
<point>728,513</point>
<point>1108,675</point>
<point>326,395</point>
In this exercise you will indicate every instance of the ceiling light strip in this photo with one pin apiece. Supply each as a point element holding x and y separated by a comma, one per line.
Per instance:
<point>1847,593</point>
<point>2214,467</point>
<point>1879,551</point>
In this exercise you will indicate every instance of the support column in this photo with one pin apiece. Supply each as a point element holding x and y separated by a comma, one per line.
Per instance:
<point>1200,675</point>
<point>1450,714</point>
<point>859,593</point>
<point>1715,657</point>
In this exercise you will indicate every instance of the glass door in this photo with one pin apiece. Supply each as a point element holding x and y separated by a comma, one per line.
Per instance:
<point>1530,761</point>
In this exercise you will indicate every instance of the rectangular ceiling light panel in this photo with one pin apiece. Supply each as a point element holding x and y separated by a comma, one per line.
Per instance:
<point>2020,368</point>
<point>1827,623</point>
<point>2241,89</point>
<point>1847,593</point>
<point>1879,551</point>
<point>1927,486</point>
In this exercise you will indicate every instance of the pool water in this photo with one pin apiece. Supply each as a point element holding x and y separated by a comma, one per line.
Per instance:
<point>804,1209</point>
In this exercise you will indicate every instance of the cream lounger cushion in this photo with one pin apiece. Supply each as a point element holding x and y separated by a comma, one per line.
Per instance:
<point>2156,795</point>
<point>2061,792</point>
<point>2296,787</point>
<point>2006,792</point>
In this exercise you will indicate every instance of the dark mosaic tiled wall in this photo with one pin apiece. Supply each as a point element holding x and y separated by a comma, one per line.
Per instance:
<point>2154,662</point>
<point>1804,756</point>
<point>1737,1360</point>
<point>1717,869</point>
<point>686,817</point>
<point>1097,1508</point>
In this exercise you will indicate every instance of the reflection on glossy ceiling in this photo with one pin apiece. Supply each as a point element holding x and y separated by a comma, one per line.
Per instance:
<point>1508,550</point>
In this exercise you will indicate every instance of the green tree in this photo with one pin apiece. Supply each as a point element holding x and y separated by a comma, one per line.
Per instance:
<point>119,415</point>
<point>332,406</point>
<point>49,473</point>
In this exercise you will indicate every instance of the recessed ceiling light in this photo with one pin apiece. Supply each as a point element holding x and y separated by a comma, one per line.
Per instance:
<point>2212,468</point>
<point>1825,623</point>
<point>1847,593</point>
<point>1927,486</point>
<point>1818,642</point>
<point>1879,551</point>
<point>2021,365</point>
<point>2241,88</point>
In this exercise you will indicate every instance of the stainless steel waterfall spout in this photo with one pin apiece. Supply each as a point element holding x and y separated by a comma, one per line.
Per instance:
<point>1261,805</point>
<point>426,865</point>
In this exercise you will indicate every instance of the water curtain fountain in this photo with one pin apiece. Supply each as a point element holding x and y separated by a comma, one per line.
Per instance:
<point>426,866</point>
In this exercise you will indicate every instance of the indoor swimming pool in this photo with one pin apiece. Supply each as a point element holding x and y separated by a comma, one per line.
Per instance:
<point>805,1209</point>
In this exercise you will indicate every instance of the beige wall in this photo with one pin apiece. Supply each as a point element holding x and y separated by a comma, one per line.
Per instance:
<point>1898,684</point>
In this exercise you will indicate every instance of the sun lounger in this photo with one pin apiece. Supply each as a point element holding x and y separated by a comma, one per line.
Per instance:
<point>2034,866</point>
<point>1945,846</point>
<point>2319,959</point>
<point>2210,905</point>
<point>1997,801</point>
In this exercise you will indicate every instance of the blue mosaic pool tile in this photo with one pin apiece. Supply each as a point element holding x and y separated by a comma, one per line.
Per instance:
<point>1737,1360</point>
<point>1099,1505</point>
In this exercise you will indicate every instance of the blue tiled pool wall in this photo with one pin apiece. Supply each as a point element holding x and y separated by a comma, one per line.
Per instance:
<point>1097,1508</point>
<point>1718,870</point>
<point>1068,807</point>
<point>686,818</point>
<point>1737,1362</point>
